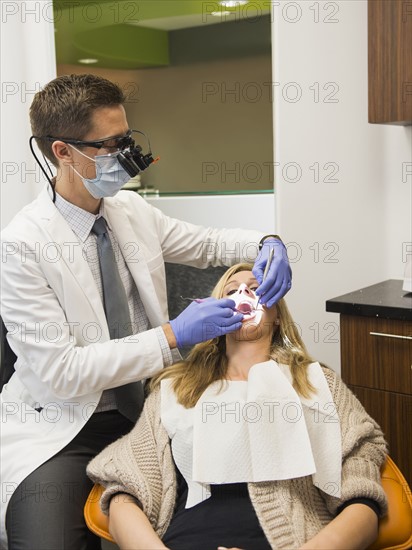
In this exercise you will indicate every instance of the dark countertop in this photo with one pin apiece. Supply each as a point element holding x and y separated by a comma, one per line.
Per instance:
<point>386,300</point>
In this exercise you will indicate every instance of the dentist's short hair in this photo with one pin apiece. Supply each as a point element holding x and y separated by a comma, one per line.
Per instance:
<point>64,108</point>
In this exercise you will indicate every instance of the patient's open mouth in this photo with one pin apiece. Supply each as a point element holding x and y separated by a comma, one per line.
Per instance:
<point>245,308</point>
<point>247,303</point>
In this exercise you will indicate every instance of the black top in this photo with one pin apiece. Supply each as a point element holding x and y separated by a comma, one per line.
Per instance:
<point>227,518</point>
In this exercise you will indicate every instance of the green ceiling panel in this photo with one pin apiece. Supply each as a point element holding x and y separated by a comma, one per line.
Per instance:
<point>103,12</point>
<point>109,30</point>
<point>128,47</point>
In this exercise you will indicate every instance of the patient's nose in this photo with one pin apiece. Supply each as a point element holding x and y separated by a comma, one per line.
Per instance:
<point>244,289</point>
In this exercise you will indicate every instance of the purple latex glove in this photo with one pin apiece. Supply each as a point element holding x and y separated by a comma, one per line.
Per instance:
<point>279,277</point>
<point>205,319</point>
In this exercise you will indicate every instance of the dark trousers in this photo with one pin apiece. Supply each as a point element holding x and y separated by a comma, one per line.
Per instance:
<point>46,510</point>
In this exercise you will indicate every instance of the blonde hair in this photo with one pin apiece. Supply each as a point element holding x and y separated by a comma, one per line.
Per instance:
<point>207,361</point>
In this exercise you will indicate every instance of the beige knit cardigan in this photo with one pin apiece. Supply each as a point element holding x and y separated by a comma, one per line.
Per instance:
<point>289,511</point>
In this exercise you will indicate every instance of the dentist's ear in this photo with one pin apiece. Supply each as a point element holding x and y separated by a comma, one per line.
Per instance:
<point>62,151</point>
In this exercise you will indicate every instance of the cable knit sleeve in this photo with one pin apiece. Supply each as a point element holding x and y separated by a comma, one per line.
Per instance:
<point>363,448</point>
<point>140,464</point>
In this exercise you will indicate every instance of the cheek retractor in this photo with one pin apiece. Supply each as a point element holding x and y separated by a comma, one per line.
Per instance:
<point>247,304</point>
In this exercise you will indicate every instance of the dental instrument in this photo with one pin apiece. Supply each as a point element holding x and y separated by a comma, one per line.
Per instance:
<point>266,271</point>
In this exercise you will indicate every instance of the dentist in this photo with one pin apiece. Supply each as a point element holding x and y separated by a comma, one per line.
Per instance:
<point>85,305</point>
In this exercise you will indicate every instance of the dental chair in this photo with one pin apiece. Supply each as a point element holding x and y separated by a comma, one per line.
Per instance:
<point>184,282</point>
<point>395,529</point>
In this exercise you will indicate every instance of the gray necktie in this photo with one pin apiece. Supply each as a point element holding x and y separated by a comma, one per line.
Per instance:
<point>130,397</point>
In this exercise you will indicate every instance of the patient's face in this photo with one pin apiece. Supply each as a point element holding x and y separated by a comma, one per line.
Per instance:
<point>258,319</point>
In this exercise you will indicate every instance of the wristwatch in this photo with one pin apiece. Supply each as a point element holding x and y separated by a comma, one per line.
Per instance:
<point>262,240</point>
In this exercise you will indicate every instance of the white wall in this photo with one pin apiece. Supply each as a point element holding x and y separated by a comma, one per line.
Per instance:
<point>398,199</point>
<point>256,212</point>
<point>27,63</point>
<point>362,219</point>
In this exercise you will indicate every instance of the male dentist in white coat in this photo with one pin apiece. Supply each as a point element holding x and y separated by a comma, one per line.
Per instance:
<point>64,402</point>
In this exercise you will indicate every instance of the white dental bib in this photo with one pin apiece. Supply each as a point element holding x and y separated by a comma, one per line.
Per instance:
<point>255,430</point>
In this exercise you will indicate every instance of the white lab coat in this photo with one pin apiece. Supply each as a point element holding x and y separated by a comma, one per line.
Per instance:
<point>57,326</point>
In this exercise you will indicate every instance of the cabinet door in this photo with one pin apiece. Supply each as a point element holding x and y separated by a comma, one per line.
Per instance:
<point>377,353</point>
<point>393,412</point>
<point>390,61</point>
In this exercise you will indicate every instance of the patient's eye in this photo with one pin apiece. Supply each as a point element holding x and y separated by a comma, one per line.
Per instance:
<point>229,292</point>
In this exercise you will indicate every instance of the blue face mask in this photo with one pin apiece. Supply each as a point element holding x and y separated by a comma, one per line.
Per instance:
<point>110,176</point>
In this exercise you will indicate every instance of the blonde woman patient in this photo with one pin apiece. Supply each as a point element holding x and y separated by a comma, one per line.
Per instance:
<point>247,444</point>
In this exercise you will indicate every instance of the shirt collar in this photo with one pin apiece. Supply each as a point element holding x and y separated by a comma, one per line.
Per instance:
<point>80,221</point>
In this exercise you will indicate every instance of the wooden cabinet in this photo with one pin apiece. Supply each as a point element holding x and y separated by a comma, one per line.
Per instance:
<point>390,61</point>
<point>376,359</point>
<point>376,356</point>
<point>377,353</point>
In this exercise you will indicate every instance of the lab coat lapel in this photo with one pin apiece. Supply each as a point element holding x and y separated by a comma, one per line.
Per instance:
<point>136,262</point>
<point>71,252</point>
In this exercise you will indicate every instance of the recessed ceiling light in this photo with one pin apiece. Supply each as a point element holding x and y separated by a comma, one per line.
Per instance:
<point>221,13</point>
<point>233,3</point>
<point>88,61</point>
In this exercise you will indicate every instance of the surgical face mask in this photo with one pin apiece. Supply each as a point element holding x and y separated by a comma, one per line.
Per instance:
<point>110,176</point>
